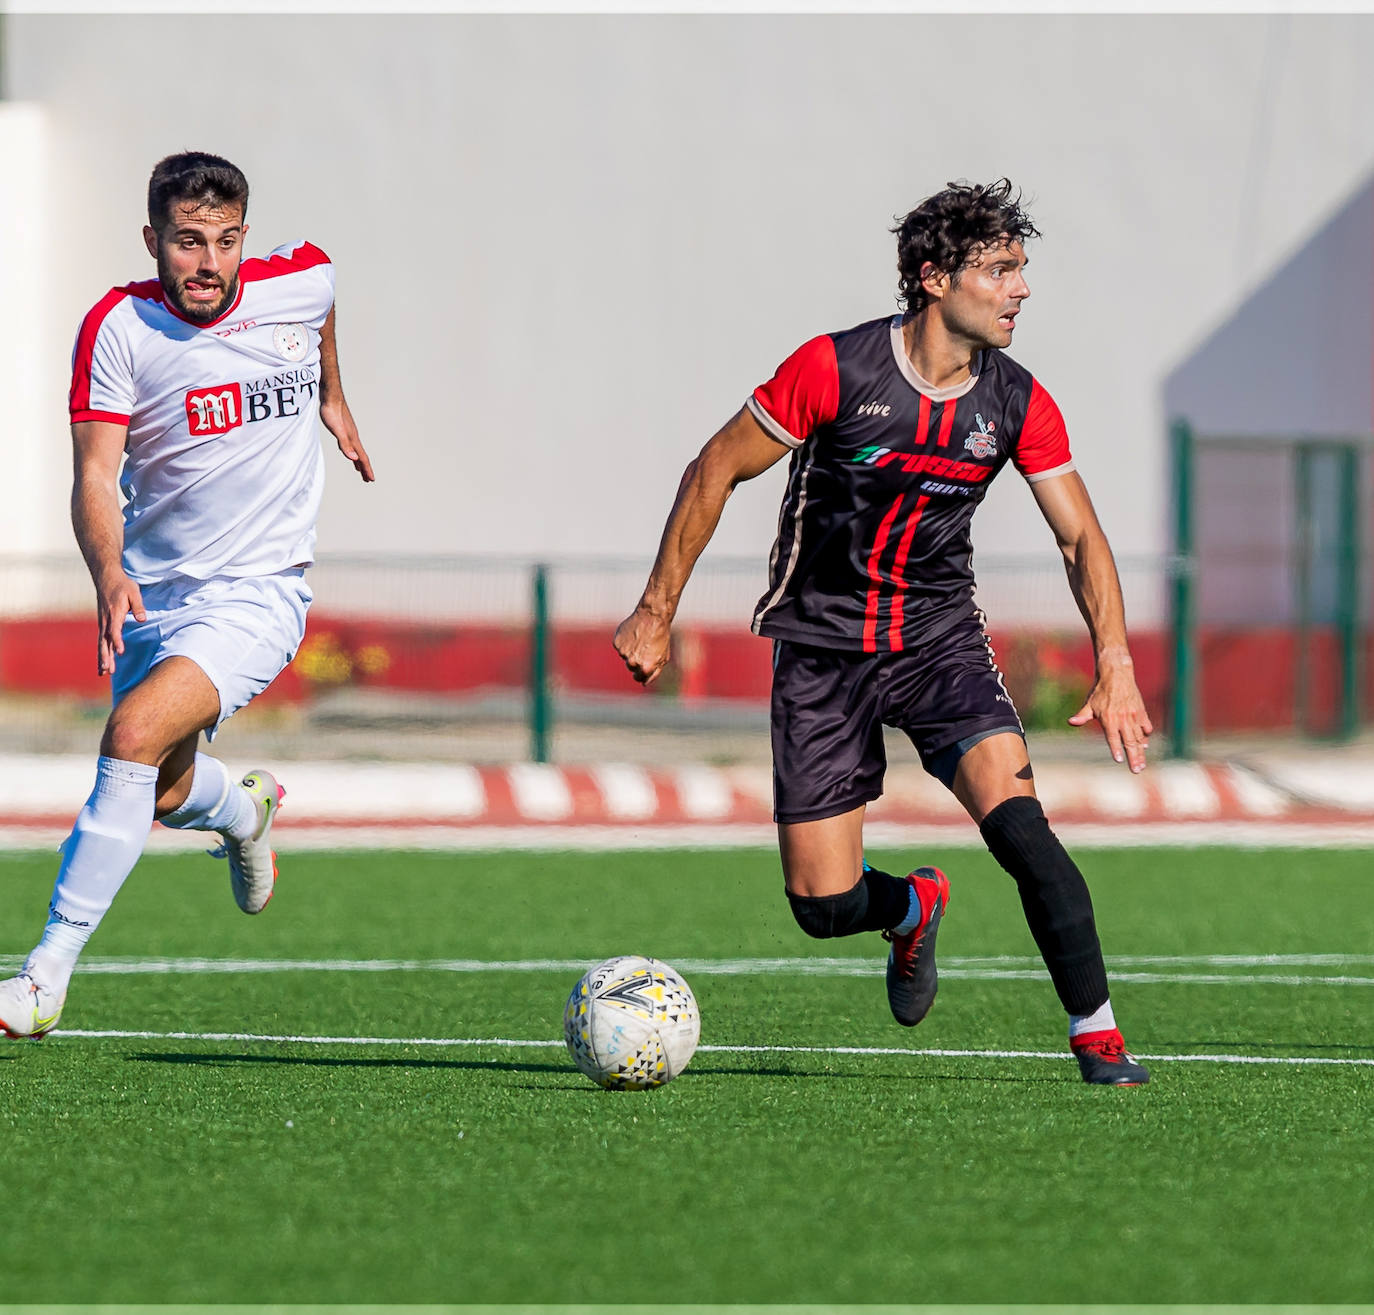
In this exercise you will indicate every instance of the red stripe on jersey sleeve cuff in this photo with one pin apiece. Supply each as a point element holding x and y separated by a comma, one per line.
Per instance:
<point>109,417</point>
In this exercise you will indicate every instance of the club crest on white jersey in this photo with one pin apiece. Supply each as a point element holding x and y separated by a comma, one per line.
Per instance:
<point>292,341</point>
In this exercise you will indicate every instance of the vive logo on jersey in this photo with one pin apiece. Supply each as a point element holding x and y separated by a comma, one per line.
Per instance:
<point>874,409</point>
<point>217,410</point>
<point>982,442</point>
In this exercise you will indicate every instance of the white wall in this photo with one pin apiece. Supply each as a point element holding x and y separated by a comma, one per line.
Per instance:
<point>26,420</point>
<point>568,246</point>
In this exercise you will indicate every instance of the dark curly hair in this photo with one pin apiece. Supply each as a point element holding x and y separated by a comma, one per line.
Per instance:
<point>194,176</point>
<point>950,228</point>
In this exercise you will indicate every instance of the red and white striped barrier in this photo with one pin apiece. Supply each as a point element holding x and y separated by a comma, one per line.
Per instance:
<point>459,804</point>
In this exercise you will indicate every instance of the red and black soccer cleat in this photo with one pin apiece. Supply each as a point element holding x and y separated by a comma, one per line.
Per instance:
<point>911,975</point>
<point>1104,1060</point>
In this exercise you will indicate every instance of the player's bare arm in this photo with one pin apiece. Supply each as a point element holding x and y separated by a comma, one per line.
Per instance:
<point>737,452</point>
<point>97,449</point>
<point>1114,700</point>
<point>338,419</point>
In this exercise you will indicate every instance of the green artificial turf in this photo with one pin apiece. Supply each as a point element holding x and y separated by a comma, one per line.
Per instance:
<point>188,1169</point>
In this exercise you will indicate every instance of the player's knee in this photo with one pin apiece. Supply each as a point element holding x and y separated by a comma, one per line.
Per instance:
<point>1018,836</point>
<point>123,742</point>
<point>825,916</point>
<point>133,737</point>
<point>1017,827</point>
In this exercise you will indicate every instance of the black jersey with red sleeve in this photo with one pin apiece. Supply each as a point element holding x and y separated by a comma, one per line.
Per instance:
<point>874,550</point>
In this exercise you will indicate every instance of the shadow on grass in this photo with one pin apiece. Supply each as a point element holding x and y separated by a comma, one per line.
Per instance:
<point>490,1065</point>
<point>223,1060</point>
<point>894,1079</point>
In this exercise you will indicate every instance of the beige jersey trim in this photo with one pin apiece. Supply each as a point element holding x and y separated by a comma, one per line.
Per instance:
<point>1050,474</point>
<point>770,426</point>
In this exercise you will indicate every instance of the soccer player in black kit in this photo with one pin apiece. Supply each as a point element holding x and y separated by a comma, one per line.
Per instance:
<point>895,429</point>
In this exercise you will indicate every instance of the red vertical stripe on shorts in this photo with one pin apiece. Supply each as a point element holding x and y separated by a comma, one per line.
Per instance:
<point>947,421</point>
<point>894,629</point>
<point>875,575</point>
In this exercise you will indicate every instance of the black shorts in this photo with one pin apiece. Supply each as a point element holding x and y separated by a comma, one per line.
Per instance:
<point>830,705</point>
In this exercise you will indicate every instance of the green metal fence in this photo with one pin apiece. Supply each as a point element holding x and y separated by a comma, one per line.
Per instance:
<point>1269,584</point>
<point>1263,631</point>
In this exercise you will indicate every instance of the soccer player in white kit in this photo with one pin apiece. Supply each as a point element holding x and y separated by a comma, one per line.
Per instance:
<point>206,382</point>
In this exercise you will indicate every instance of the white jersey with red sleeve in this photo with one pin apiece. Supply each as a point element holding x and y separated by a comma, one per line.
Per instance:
<point>223,472</point>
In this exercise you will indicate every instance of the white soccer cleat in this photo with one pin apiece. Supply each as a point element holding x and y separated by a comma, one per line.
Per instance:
<point>28,1009</point>
<point>252,864</point>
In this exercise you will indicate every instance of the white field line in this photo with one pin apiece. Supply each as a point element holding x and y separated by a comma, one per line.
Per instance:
<point>1163,979</point>
<point>503,1043</point>
<point>1162,970</point>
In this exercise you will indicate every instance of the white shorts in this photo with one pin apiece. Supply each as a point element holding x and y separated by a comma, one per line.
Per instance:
<point>240,632</point>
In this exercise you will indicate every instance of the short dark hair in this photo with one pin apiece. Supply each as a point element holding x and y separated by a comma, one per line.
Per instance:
<point>950,228</point>
<point>194,176</point>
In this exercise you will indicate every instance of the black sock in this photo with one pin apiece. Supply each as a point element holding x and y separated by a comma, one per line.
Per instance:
<point>875,902</point>
<point>1059,910</point>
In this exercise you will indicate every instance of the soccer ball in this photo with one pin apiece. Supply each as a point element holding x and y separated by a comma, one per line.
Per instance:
<point>631,1023</point>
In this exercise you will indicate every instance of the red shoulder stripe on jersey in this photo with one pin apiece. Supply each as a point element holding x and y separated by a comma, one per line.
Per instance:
<point>79,396</point>
<point>947,421</point>
<point>894,629</point>
<point>305,256</point>
<point>1044,442</point>
<point>876,576</point>
<point>109,417</point>
<point>804,391</point>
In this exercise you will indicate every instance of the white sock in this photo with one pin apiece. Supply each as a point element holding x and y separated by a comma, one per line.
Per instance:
<point>216,802</point>
<point>1100,1020</point>
<point>104,845</point>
